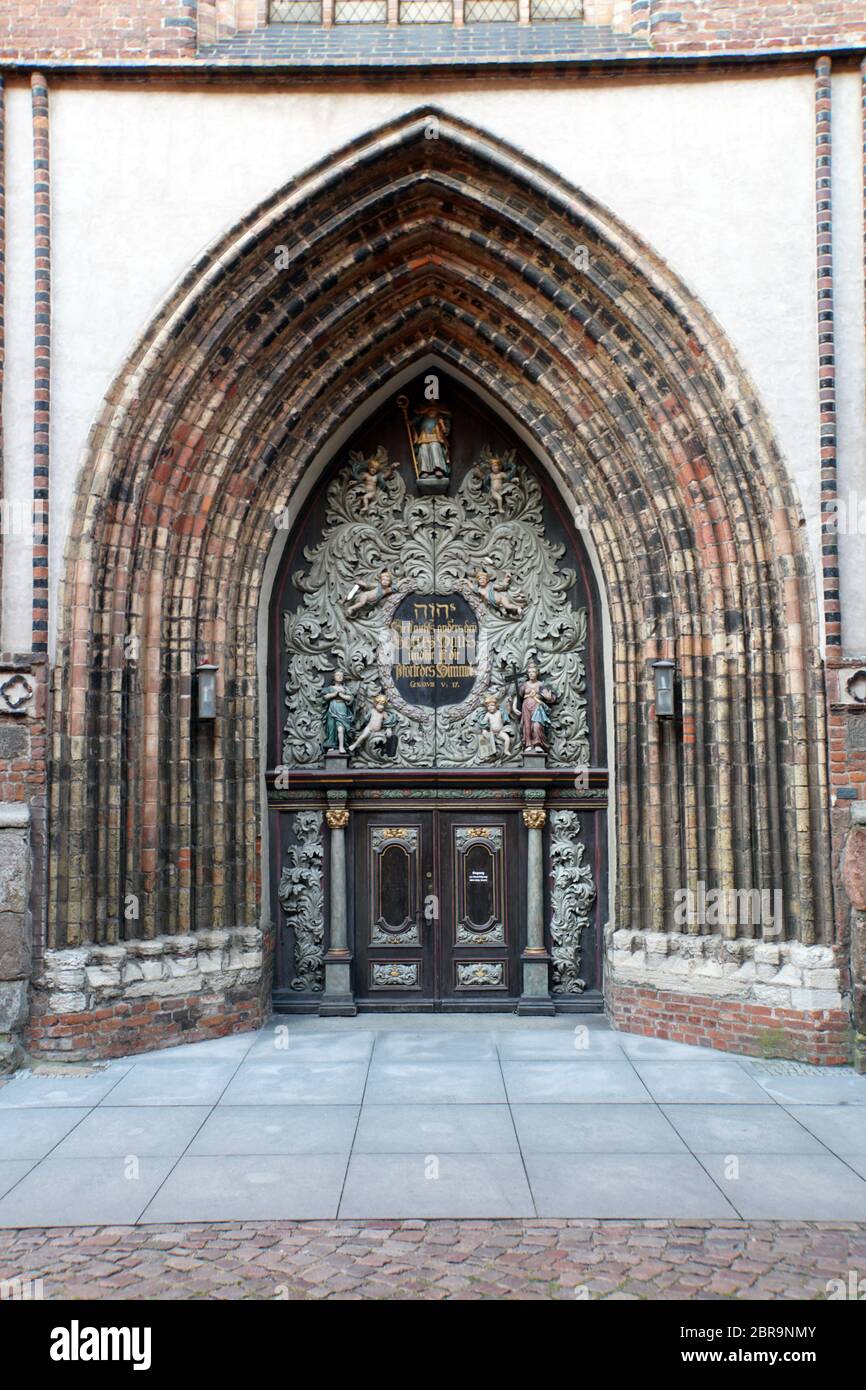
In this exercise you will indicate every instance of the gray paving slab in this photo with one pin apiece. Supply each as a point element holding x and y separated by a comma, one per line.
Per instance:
<point>572,1082</point>
<point>428,1117</point>
<point>660,1050</point>
<point>178,1083</point>
<point>435,1129</point>
<point>579,1043</point>
<point>828,1086</point>
<point>285,1043</point>
<point>115,1131</point>
<point>30,1089</point>
<point>260,1187</point>
<point>741,1129</point>
<point>600,1129</point>
<point>455,1082</point>
<point>277,1129</point>
<point>230,1049</point>
<point>12,1171</point>
<point>32,1133</point>
<point>713,1082</point>
<point>83,1192</point>
<point>842,1128</point>
<point>790,1187</point>
<point>287,1082</point>
<point>411,1046</point>
<point>649,1186</point>
<point>399,1186</point>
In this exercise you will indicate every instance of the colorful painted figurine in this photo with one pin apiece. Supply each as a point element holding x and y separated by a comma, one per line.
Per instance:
<point>531,706</point>
<point>339,719</point>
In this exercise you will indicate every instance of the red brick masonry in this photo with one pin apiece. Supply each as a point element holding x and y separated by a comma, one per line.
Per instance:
<point>93,29</point>
<point>711,25</point>
<point>126,1028</point>
<point>823,1037</point>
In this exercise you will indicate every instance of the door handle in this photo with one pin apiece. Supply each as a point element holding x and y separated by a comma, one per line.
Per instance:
<point>431,902</point>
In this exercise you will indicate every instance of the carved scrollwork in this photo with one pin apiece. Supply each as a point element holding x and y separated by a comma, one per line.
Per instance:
<point>395,975</point>
<point>302,899</point>
<point>480,974</point>
<point>382,835</point>
<point>572,896</point>
<point>465,836</point>
<point>499,533</point>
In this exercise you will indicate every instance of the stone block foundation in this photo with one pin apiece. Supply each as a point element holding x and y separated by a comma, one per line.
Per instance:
<point>97,1001</point>
<point>749,996</point>
<point>15,929</point>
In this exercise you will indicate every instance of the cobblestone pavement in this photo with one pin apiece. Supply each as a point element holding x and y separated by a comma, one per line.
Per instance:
<point>439,1260</point>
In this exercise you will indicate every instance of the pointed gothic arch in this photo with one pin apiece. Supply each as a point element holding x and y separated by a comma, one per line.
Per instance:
<point>428,236</point>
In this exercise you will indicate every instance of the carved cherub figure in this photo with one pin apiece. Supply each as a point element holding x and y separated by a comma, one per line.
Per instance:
<point>493,719</point>
<point>498,470</point>
<point>495,593</point>
<point>374,731</point>
<point>370,473</point>
<point>359,597</point>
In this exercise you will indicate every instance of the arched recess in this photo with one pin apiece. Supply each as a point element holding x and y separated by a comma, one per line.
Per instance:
<point>430,237</point>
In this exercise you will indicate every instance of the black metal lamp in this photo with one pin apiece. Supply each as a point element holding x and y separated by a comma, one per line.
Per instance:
<point>206,690</point>
<point>663,675</point>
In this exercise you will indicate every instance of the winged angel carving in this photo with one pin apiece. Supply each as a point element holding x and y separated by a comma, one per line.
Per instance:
<point>380,528</point>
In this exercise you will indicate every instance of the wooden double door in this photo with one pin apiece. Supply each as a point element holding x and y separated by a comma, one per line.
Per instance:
<point>439,908</point>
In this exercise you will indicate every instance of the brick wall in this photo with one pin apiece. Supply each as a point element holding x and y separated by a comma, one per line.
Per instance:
<point>96,29</point>
<point>755,1030</point>
<point>744,24</point>
<point>110,1000</point>
<point>23,776</point>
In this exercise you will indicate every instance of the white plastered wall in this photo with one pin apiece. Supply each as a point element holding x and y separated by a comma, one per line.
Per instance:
<point>718,176</point>
<point>18,375</point>
<point>850,356</point>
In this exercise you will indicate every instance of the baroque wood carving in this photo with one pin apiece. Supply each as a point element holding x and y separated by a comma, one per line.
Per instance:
<point>302,899</point>
<point>572,895</point>
<point>459,593</point>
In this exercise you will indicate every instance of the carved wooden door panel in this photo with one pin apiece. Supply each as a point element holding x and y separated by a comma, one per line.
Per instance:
<point>436,908</point>
<point>394,939</point>
<point>481,917</point>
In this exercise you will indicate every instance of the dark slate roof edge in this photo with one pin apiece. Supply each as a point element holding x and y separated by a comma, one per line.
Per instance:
<point>639,59</point>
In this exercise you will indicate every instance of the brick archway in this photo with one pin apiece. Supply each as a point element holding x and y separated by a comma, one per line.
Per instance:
<point>430,237</point>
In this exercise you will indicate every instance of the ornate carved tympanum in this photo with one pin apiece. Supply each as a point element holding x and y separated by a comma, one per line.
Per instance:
<point>435,630</point>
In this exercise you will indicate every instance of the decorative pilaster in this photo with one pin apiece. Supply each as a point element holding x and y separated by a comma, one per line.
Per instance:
<point>42,358</point>
<point>2,293</point>
<point>535,998</point>
<point>826,350</point>
<point>337,999</point>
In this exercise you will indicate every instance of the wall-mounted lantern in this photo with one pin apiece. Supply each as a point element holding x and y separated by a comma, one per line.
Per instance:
<point>205,690</point>
<point>663,674</point>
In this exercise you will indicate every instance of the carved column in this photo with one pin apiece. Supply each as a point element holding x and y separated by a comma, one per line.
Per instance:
<point>854,882</point>
<point>337,999</point>
<point>535,998</point>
